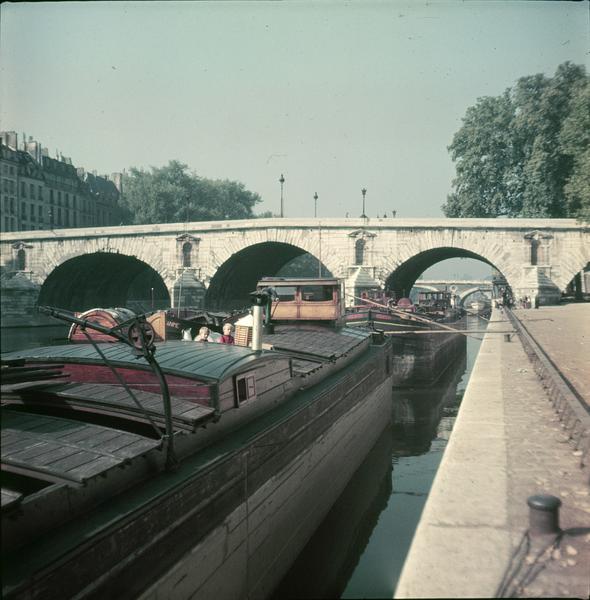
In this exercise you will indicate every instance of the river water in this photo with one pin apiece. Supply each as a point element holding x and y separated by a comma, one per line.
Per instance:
<point>360,548</point>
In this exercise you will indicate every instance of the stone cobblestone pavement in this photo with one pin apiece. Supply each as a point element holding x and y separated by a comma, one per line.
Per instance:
<point>508,444</point>
<point>542,460</point>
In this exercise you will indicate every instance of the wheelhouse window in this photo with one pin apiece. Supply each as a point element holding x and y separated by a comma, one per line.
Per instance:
<point>245,388</point>
<point>316,293</point>
<point>286,293</point>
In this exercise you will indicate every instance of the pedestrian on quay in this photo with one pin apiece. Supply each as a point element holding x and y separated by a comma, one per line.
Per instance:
<point>203,335</point>
<point>227,337</point>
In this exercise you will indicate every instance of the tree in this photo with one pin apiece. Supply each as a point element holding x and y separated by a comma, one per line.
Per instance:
<point>575,141</point>
<point>171,194</point>
<point>520,154</point>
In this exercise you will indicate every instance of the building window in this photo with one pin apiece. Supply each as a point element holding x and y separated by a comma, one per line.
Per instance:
<point>40,192</point>
<point>187,248</point>
<point>32,207</point>
<point>23,192</point>
<point>59,198</point>
<point>51,196</point>
<point>534,251</point>
<point>67,200</point>
<point>359,252</point>
<point>31,190</point>
<point>21,260</point>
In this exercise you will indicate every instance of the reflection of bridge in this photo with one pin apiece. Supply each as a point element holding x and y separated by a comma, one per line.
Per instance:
<point>463,288</point>
<point>221,261</point>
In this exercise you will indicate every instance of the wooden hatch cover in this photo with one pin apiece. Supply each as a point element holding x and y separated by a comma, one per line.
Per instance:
<point>64,451</point>
<point>114,400</point>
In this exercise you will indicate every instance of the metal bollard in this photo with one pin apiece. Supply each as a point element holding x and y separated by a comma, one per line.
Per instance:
<point>543,514</point>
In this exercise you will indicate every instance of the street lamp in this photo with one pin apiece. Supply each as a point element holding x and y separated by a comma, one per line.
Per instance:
<point>364,192</point>
<point>281,181</point>
<point>315,207</point>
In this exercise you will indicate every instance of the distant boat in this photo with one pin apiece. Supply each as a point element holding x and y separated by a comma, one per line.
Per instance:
<point>205,482</point>
<point>420,357</point>
<point>479,306</point>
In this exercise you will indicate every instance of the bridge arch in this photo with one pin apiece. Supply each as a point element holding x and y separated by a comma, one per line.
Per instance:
<point>233,281</point>
<point>428,288</point>
<point>403,276</point>
<point>104,279</point>
<point>466,293</point>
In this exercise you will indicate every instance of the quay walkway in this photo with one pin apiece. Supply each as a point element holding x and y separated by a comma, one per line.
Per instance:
<point>510,443</point>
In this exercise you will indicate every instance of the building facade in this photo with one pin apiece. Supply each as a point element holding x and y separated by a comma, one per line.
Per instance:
<point>40,192</point>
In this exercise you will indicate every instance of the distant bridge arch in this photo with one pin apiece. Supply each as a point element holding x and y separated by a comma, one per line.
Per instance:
<point>487,290</point>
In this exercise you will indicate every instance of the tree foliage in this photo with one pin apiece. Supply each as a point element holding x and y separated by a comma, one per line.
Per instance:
<point>171,194</point>
<point>525,153</point>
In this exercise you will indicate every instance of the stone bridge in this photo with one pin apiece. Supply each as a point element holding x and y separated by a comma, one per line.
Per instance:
<point>219,263</point>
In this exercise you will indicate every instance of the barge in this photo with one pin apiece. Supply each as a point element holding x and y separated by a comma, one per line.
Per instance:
<point>182,469</point>
<point>424,342</point>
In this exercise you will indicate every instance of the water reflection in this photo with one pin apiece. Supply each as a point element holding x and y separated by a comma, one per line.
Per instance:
<point>359,550</point>
<point>21,338</point>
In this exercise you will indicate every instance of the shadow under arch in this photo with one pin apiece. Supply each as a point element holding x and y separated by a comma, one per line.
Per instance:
<point>402,279</point>
<point>231,285</point>
<point>105,280</point>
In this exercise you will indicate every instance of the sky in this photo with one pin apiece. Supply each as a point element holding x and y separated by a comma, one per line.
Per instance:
<point>336,96</point>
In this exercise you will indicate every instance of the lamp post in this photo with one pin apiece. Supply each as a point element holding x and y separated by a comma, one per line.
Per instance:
<point>364,193</point>
<point>282,181</point>
<point>152,298</point>
<point>315,206</point>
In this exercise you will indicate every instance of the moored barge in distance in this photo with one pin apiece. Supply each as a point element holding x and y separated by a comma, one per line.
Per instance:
<point>425,343</point>
<point>95,504</point>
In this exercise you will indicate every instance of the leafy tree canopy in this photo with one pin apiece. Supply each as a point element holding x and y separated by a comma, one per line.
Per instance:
<point>526,153</point>
<point>171,194</point>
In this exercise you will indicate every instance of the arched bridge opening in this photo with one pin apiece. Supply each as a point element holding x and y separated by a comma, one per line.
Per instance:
<point>402,279</point>
<point>475,293</point>
<point>104,280</point>
<point>237,277</point>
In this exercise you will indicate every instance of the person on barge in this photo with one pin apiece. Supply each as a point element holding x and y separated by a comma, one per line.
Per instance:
<point>203,335</point>
<point>227,337</point>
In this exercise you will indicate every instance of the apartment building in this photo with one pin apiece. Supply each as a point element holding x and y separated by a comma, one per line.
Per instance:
<point>40,192</point>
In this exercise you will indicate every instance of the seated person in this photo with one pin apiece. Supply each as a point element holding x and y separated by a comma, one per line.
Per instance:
<point>227,337</point>
<point>203,335</point>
